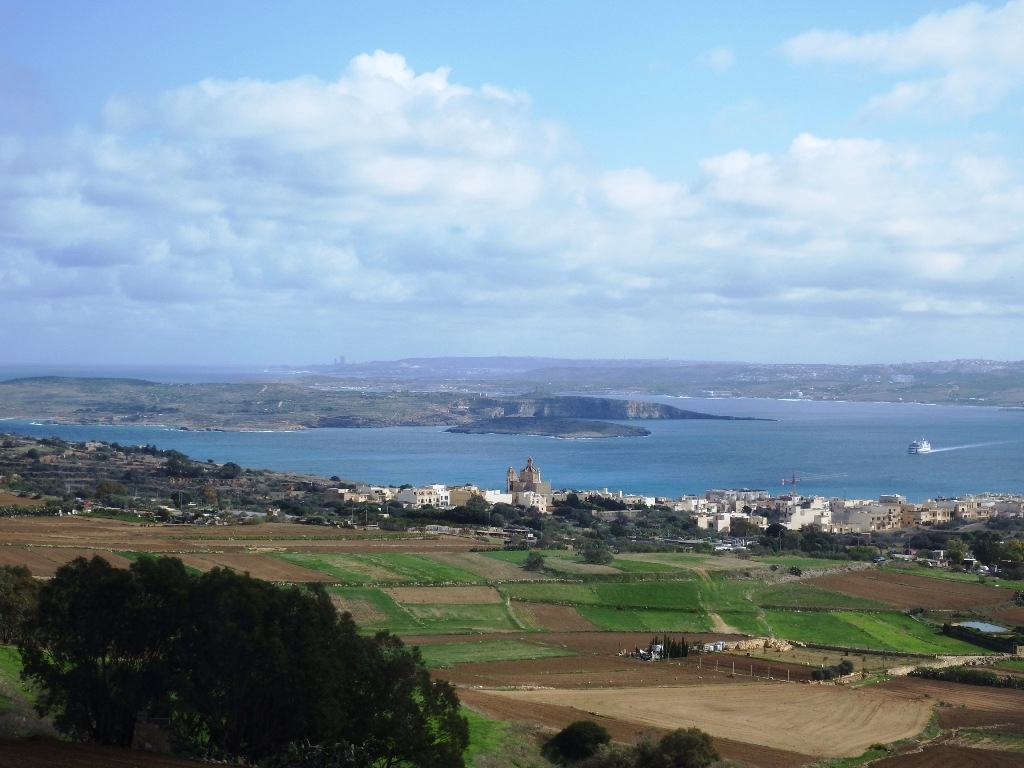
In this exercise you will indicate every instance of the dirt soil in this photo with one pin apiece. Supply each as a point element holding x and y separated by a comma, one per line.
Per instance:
<point>554,618</point>
<point>44,544</point>
<point>30,753</point>
<point>824,720</point>
<point>952,756</point>
<point>556,717</point>
<point>908,591</point>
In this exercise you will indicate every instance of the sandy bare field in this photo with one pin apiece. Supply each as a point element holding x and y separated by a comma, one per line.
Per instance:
<point>557,717</point>
<point>824,720</point>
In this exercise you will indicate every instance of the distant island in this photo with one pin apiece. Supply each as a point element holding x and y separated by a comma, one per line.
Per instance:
<point>318,403</point>
<point>538,425</point>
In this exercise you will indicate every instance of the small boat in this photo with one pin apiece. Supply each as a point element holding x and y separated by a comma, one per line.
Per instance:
<point>920,446</point>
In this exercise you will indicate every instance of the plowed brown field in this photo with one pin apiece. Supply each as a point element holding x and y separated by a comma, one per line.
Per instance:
<point>555,618</point>
<point>963,705</point>
<point>951,756</point>
<point>908,591</point>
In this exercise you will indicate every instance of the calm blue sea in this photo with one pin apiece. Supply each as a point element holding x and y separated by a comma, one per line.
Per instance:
<point>856,450</point>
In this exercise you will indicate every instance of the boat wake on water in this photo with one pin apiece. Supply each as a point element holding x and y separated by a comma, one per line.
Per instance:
<point>972,445</point>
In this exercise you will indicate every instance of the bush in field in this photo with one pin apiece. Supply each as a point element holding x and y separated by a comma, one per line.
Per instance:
<point>844,667</point>
<point>576,741</point>
<point>682,748</point>
<point>534,561</point>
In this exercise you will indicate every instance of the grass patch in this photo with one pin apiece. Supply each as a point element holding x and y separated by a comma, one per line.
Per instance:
<point>501,744</point>
<point>444,655</point>
<point>380,569</point>
<point>879,631</point>
<point>615,620</point>
<point>747,622</point>
<point>461,619</point>
<point>552,592</point>
<point>800,595</point>
<point>850,762</point>
<point>632,564</point>
<point>670,595</point>
<point>988,739</point>
<point>375,610</point>
<point>1013,665</point>
<point>11,685</point>
<point>786,562</point>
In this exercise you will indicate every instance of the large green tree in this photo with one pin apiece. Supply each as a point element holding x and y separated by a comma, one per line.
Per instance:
<point>19,594</point>
<point>242,668</point>
<point>100,644</point>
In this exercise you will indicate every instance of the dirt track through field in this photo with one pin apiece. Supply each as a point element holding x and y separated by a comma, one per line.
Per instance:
<point>824,720</point>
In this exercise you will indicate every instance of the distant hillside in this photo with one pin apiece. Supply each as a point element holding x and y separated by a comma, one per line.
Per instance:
<point>961,382</point>
<point>296,405</point>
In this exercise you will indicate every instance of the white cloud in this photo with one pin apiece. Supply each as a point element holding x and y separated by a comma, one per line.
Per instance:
<point>966,60</point>
<point>719,59</point>
<point>393,213</point>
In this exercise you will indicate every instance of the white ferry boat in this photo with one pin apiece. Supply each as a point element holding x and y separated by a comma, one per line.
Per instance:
<point>920,446</point>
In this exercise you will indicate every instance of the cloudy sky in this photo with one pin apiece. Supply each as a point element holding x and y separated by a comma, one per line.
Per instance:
<point>250,182</point>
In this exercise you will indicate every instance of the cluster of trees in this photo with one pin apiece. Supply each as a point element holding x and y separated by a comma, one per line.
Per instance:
<point>672,648</point>
<point>970,676</point>
<point>241,669</point>
<point>844,667</point>
<point>586,744</point>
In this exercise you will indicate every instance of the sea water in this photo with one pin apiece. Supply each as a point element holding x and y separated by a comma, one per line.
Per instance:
<point>851,450</point>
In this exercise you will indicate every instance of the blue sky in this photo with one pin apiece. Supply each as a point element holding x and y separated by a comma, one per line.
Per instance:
<point>259,183</point>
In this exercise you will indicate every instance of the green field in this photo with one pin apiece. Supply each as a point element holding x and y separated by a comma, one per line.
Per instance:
<point>671,595</point>
<point>500,650</point>
<point>375,610</point>
<point>616,620</point>
<point>380,569</point>
<point>880,631</point>
<point>552,592</point>
<point>797,594</point>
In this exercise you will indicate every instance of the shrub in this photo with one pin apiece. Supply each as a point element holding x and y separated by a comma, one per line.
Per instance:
<point>576,741</point>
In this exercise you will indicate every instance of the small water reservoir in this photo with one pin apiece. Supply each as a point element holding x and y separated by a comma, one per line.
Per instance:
<point>982,626</point>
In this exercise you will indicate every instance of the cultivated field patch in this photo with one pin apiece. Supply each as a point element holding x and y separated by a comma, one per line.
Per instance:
<point>487,568</point>
<point>29,558</point>
<point>444,595</point>
<point>490,651</point>
<point>826,721</point>
<point>906,590</point>
<point>553,618</point>
<point>551,592</point>
<point>882,631</point>
<point>266,567</point>
<point>622,620</point>
<point>462,619</point>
